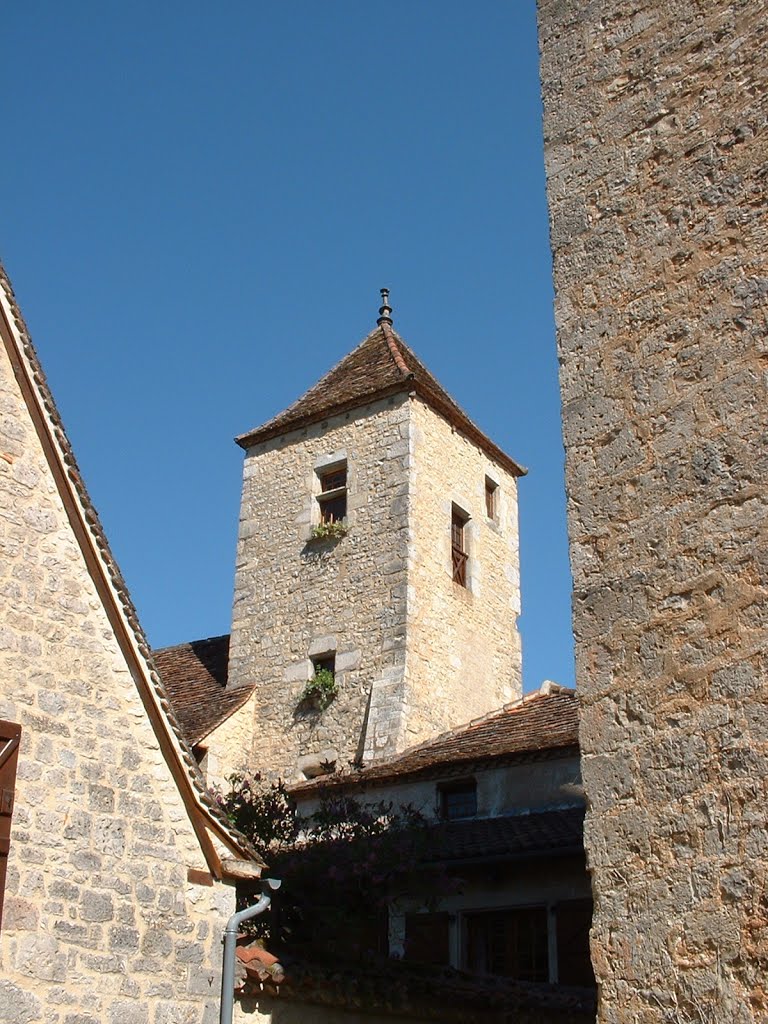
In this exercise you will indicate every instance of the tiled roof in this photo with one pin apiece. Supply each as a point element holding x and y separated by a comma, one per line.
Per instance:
<point>541,722</point>
<point>403,988</point>
<point>515,836</point>
<point>381,365</point>
<point>195,676</point>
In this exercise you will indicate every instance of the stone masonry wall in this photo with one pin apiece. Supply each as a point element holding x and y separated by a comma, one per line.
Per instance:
<point>655,136</point>
<point>296,598</point>
<point>100,925</point>
<point>464,652</point>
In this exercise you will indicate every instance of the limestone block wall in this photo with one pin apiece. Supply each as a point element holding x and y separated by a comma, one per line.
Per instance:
<point>464,652</point>
<point>296,598</point>
<point>655,136</point>
<point>100,924</point>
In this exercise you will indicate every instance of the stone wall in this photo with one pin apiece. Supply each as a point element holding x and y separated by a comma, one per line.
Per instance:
<point>101,925</point>
<point>464,651</point>
<point>655,137</point>
<point>296,598</point>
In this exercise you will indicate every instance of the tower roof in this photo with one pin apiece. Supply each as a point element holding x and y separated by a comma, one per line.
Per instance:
<point>381,365</point>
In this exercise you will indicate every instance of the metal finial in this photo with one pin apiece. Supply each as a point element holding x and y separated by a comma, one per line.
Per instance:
<point>385,311</point>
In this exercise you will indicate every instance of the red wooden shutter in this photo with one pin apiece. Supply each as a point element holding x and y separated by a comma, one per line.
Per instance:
<point>9,752</point>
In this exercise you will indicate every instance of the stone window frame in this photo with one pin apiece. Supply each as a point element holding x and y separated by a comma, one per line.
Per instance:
<point>324,467</point>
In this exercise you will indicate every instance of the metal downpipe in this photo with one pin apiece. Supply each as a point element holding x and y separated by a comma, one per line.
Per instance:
<point>230,943</point>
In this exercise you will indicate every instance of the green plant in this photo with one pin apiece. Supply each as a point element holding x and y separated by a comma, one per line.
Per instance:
<point>333,529</point>
<point>321,688</point>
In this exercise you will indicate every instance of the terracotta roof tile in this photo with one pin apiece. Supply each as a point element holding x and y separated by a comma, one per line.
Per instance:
<point>541,722</point>
<point>195,676</point>
<point>382,364</point>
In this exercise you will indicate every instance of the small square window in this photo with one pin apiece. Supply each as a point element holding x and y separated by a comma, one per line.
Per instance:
<point>491,498</point>
<point>458,800</point>
<point>332,498</point>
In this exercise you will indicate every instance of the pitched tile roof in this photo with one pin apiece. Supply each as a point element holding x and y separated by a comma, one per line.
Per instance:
<point>195,676</point>
<point>404,988</point>
<point>381,365</point>
<point>515,836</point>
<point>543,721</point>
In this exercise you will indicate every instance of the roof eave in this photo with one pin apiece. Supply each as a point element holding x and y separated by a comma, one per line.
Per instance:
<point>410,383</point>
<point>436,770</point>
<point>267,432</point>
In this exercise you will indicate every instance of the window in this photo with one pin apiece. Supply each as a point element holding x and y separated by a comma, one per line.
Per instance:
<point>459,554</point>
<point>458,800</point>
<point>491,498</point>
<point>326,662</point>
<point>512,943</point>
<point>332,498</point>
<point>9,752</point>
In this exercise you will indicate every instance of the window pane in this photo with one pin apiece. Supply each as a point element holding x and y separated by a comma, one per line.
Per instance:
<point>336,478</point>
<point>510,943</point>
<point>334,509</point>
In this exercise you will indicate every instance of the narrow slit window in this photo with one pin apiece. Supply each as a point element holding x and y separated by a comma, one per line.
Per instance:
<point>459,554</point>
<point>491,498</point>
<point>332,498</point>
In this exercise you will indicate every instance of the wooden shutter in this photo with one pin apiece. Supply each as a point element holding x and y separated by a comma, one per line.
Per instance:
<point>9,752</point>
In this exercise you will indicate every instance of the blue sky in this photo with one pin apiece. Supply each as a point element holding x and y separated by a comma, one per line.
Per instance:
<point>201,203</point>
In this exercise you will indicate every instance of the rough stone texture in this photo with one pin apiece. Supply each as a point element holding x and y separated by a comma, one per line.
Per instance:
<point>463,641</point>
<point>415,653</point>
<point>655,135</point>
<point>99,922</point>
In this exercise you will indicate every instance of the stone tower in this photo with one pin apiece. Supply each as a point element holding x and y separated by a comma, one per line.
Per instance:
<point>378,539</point>
<point>656,135</point>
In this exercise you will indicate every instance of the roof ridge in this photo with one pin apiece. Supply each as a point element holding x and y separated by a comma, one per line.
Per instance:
<point>188,643</point>
<point>391,339</point>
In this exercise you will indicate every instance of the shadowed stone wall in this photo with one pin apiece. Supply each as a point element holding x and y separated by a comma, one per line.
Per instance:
<point>655,136</point>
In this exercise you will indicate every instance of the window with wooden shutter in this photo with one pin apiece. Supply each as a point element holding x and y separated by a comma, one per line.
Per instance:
<point>459,554</point>
<point>9,752</point>
<point>332,498</point>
